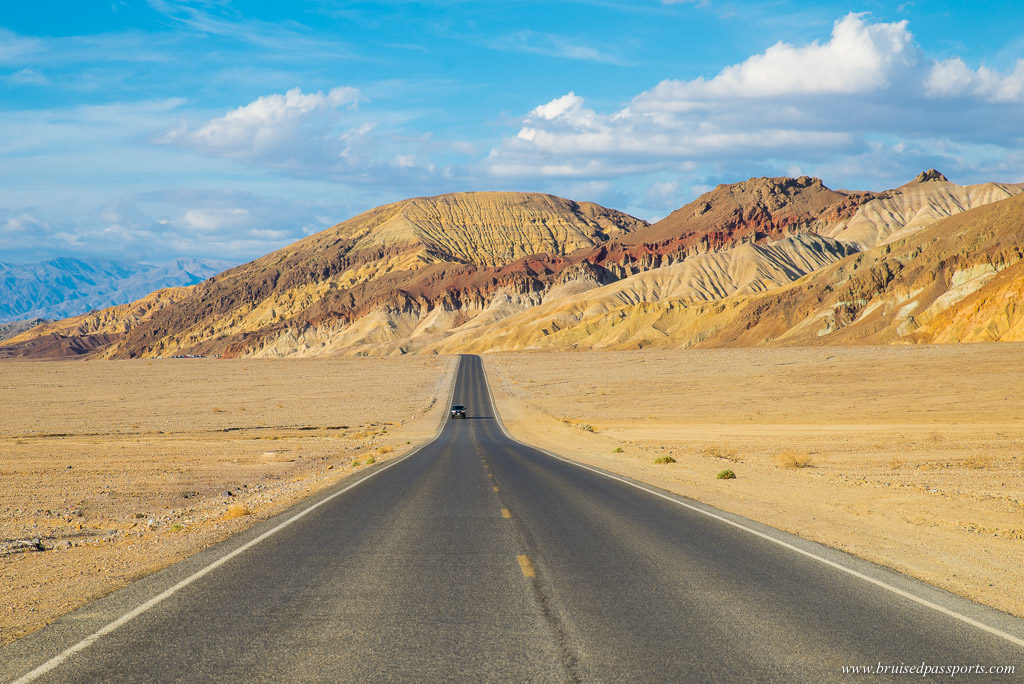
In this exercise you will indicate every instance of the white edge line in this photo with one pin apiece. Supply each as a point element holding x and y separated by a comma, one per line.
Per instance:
<point>139,610</point>
<point>838,566</point>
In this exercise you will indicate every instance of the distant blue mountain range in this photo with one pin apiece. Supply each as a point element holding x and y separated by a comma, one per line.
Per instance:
<point>67,286</point>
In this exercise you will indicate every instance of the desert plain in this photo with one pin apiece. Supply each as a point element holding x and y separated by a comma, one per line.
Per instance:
<point>112,470</point>
<point>908,456</point>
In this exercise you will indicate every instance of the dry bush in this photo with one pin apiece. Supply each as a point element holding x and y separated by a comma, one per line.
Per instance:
<point>979,462</point>
<point>385,450</point>
<point>793,459</point>
<point>726,453</point>
<point>895,463</point>
<point>236,510</point>
<point>664,459</point>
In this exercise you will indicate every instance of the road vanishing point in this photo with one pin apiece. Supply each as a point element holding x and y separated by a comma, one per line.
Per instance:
<point>477,558</point>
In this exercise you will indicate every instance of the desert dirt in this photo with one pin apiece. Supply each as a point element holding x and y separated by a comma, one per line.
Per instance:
<point>117,469</point>
<point>911,457</point>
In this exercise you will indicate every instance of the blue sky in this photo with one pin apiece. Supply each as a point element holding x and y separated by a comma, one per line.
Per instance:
<point>228,128</point>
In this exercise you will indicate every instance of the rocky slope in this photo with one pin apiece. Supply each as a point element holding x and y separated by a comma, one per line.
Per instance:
<point>756,209</point>
<point>12,328</point>
<point>88,333</point>
<point>764,261</point>
<point>619,315</point>
<point>959,280</point>
<point>902,212</point>
<point>450,251</point>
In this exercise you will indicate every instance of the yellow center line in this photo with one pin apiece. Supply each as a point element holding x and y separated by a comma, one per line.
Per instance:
<point>490,474</point>
<point>505,513</point>
<point>526,566</point>
<point>495,489</point>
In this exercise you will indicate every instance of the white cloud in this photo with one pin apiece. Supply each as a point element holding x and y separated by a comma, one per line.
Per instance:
<point>290,129</point>
<point>953,78</point>
<point>313,135</point>
<point>213,220</point>
<point>859,57</point>
<point>787,107</point>
<point>22,224</point>
<point>564,138</point>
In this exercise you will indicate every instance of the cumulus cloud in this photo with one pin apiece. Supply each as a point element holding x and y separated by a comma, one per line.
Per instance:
<point>21,224</point>
<point>564,138</point>
<point>952,78</point>
<point>293,129</point>
<point>791,105</point>
<point>317,134</point>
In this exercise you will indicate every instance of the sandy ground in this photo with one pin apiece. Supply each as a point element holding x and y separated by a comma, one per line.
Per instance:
<point>117,469</point>
<point>912,457</point>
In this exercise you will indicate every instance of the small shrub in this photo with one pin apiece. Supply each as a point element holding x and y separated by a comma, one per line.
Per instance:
<point>726,475</point>
<point>792,459</point>
<point>895,463</point>
<point>177,527</point>
<point>385,450</point>
<point>371,460</point>
<point>664,459</point>
<point>356,464</point>
<point>980,462</point>
<point>586,427</point>
<point>236,510</point>
<point>617,450</point>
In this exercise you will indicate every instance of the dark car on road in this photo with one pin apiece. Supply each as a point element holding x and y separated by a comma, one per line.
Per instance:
<point>458,411</point>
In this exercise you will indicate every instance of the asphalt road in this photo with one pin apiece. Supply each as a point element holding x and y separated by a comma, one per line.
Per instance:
<point>480,559</point>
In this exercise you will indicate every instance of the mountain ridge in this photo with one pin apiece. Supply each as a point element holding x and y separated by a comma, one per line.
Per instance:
<point>70,286</point>
<point>494,271</point>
